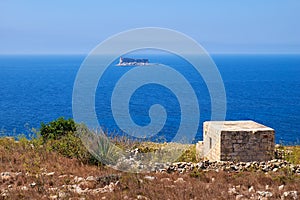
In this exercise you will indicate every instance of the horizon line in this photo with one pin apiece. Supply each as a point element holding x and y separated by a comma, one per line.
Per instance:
<point>152,53</point>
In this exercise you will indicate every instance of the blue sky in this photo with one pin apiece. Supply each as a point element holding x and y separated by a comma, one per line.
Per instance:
<point>233,26</point>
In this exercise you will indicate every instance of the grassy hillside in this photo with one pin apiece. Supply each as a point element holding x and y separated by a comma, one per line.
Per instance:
<point>56,165</point>
<point>32,170</point>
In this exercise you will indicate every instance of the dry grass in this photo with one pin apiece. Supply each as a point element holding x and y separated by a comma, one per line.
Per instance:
<point>35,161</point>
<point>294,155</point>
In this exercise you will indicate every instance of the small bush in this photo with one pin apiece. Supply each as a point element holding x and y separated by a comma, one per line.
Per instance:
<point>58,128</point>
<point>189,155</point>
<point>60,136</point>
<point>69,146</point>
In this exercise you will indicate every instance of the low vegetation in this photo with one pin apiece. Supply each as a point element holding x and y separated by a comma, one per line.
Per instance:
<point>292,154</point>
<point>43,167</point>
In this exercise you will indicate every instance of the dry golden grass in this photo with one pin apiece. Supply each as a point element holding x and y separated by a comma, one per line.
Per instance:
<point>35,161</point>
<point>294,155</point>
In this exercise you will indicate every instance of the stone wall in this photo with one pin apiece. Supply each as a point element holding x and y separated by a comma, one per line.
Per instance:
<point>211,142</point>
<point>237,141</point>
<point>247,145</point>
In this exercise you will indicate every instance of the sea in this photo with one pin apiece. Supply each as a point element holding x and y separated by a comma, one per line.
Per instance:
<point>264,88</point>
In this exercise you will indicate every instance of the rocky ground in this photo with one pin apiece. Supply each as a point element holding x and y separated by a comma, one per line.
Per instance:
<point>227,179</point>
<point>27,172</point>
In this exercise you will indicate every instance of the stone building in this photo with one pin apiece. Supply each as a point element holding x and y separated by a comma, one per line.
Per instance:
<point>236,141</point>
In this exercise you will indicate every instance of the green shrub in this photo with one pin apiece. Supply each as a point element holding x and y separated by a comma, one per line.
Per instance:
<point>71,146</point>
<point>57,129</point>
<point>64,136</point>
<point>60,136</point>
<point>189,155</point>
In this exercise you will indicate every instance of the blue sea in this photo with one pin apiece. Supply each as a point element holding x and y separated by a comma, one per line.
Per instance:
<point>263,88</point>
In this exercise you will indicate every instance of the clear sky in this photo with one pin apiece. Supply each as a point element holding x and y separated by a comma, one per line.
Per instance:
<point>220,26</point>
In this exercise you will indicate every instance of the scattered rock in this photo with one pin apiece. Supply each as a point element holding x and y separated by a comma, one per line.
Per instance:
<point>107,179</point>
<point>18,173</point>
<point>50,174</point>
<point>281,187</point>
<point>251,189</point>
<point>4,194</point>
<point>179,180</point>
<point>53,197</point>
<point>232,191</point>
<point>88,184</point>
<point>150,178</point>
<point>264,194</point>
<point>24,188</point>
<point>267,187</point>
<point>91,178</point>
<point>77,189</point>
<point>107,188</point>
<point>5,176</point>
<point>62,194</point>
<point>165,179</point>
<point>290,194</point>
<point>78,179</point>
<point>33,184</point>
<point>142,197</point>
<point>53,189</point>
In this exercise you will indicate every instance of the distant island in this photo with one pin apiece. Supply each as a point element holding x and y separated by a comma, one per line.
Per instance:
<point>132,62</point>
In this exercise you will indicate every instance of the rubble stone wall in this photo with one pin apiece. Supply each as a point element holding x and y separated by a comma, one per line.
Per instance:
<point>247,146</point>
<point>242,141</point>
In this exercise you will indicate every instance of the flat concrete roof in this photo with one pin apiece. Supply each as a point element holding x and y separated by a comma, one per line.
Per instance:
<point>244,125</point>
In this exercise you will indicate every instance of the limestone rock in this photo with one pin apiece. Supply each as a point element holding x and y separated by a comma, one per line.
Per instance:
<point>281,187</point>
<point>290,195</point>
<point>5,176</point>
<point>150,178</point>
<point>179,180</point>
